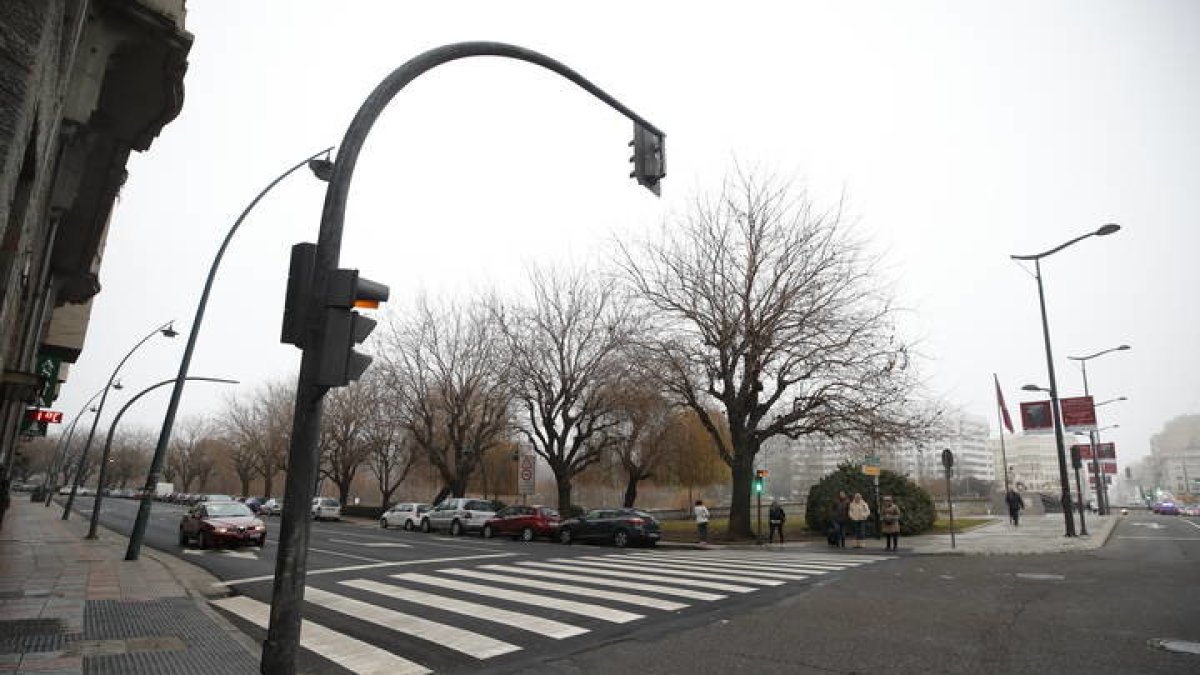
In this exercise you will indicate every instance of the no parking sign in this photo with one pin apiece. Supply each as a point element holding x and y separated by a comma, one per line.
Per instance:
<point>526,473</point>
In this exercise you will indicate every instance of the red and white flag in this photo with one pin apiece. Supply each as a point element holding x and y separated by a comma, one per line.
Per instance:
<point>1003,409</point>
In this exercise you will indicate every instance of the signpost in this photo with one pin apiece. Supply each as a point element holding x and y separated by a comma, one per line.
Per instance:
<point>871,468</point>
<point>948,462</point>
<point>526,474</point>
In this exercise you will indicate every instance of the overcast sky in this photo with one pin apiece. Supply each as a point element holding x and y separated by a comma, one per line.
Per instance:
<point>960,133</point>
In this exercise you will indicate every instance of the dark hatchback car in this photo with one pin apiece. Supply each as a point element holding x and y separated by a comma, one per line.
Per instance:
<point>621,527</point>
<point>523,522</point>
<point>218,523</point>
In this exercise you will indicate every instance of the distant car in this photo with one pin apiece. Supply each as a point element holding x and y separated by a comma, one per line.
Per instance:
<point>1190,510</point>
<point>326,508</point>
<point>271,507</point>
<point>1166,509</point>
<point>458,515</point>
<point>407,515</point>
<point>215,523</point>
<point>525,522</point>
<point>621,527</point>
<point>201,498</point>
<point>254,503</point>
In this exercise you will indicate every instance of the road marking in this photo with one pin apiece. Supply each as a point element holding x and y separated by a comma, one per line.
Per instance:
<point>357,568</point>
<point>450,637</point>
<point>371,544</point>
<point>1192,523</point>
<point>588,579</point>
<point>784,558</point>
<point>1153,526</point>
<point>731,567</point>
<point>354,655</point>
<point>519,620</point>
<point>549,602</point>
<point>630,572</point>
<point>1122,536</point>
<point>769,561</point>
<point>627,598</point>
<point>682,569</point>
<point>351,556</point>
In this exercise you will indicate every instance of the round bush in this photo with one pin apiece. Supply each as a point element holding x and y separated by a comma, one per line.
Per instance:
<point>917,511</point>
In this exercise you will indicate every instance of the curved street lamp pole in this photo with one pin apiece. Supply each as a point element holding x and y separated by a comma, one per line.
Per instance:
<point>319,167</point>
<point>167,331</point>
<point>287,598</point>
<point>48,486</point>
<point>112,428</point>
<point>1064,479</point>
<point>1094,436</point>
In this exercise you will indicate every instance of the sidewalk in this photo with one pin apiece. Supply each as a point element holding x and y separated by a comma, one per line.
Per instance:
<point>70,605</point>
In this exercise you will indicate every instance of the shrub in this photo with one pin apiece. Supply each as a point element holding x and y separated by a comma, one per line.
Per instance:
<point>916,506</point>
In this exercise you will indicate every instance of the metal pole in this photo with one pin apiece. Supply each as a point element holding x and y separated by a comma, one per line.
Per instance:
<point>759,495</point>
<point>60,453</point>
<point>950,503</point>
<point>95,522</point>
<point>1058,430</point>
<point>164,435</point>
<point>1093,438</point>
<point>287,595</point>
<point>1082,521</point>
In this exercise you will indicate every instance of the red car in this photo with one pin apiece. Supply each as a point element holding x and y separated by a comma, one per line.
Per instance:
<point>217,523</point>
<point>523,522</point>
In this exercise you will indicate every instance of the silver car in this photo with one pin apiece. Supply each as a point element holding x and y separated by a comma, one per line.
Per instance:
<point>326,508</point>
<point>407,515</point>
<point>459,515</point>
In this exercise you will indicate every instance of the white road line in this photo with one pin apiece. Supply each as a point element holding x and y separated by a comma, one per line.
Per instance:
<point>450,637</point>
<point>628,572</point>
<point>591,579</point>
<point>357,568</point>
<point>627,598</point>
<point>1192,523</point>
<point>523,597</point>
<point>1121,536</point>
<point>372,544</point>
<point>729,567</point>
<point>682,569</point>
<point>346,555</point>
<point>519,620</point>
<point>353,655</point>
<point>788,560</point>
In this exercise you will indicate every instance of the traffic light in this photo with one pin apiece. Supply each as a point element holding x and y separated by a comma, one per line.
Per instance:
<point>760,480</point>
<point>344,328</point>
<point>649,158</point>
<point>299,291</point>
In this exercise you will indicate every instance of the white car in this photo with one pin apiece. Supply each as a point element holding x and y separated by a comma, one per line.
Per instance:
<point>458,515</point>
<point>326,508</point>
<point>407,515</point>
<point>271,507</point>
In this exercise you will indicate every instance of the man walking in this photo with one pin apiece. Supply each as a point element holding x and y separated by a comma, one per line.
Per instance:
<point>701,513</point>
<point>1015,504</point>
<point>776,516</point>
<point>839,516</point>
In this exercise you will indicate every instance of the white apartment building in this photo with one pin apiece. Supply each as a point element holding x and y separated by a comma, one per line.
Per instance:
<point>1032,462</point>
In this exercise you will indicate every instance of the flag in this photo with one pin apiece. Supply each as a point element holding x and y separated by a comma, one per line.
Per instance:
<point>1003,409</point>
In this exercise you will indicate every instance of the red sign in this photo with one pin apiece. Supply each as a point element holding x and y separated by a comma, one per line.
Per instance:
<point>1036,417</point>
<point>1105,467</point>
<point>1078,413</point>
<point>40,415</point>
<point>1105,451</point>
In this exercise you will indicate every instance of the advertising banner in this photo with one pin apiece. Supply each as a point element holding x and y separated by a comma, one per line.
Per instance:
<point>1036,417</point>
<point>1078,413</point>
<point>1105,451</point>
<point>1106,466</point>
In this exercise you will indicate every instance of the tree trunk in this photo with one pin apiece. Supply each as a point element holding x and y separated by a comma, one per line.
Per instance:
<point>343,492</point>
<point>245,487</point>
<point>267,486</point>
<point>564,492</point>
<point>739,508</point>
<point>441,496</point>
<point>631,491</point>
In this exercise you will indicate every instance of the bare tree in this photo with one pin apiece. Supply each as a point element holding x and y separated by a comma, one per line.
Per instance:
<point>346,440</point>
<point>770,310</point>
<point>260,429</point>
<point>643,415</point>
<point>445,371</point>
<point>566,351</point>
<point>129,457</point>
<point>189,459</point>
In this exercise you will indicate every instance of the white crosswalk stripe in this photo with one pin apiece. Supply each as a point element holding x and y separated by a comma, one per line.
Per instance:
<point>524,597</point>
<point>769,572</point>
<point>627,598</point>
<point>351,654</point>
<point>528,622</point>
<point>603,569</point>
<point>682,571</point>
<point>593,580</point>
<point>451,637</point>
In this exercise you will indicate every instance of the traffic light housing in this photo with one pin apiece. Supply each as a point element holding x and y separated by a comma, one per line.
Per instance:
<point>344,328</point>
<point>649,158</point>
<point>760,481</point>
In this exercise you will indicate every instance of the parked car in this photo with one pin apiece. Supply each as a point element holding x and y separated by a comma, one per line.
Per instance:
<point>619,526</point>
<point>201,498</point>
<point>525,522</point>
<point>407,515</point>
<point>458,515</point>
<point>1166,509</point>
<point>1190,510</point>
<point>326,508</point>
<point>271,507</point>
<point>215,523</point>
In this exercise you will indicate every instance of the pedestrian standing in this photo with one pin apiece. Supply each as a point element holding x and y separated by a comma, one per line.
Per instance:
<point>1015,504</point>
<point>890,515</point>
<point>839,517</point>
<point>776,517</point>
<point>701,514</point>
<point>859,512</point>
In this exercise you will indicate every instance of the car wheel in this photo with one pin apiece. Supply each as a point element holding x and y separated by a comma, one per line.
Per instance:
<point>183,538</point>
<point>455,528</point>
<point>383,523</point>
<point>620,538</point>
<point>487,531</point>
<point>408,526</point>
<point>527,534</point>
<point>425,526</point>
<point>565,537</point>
<point>205,541</point>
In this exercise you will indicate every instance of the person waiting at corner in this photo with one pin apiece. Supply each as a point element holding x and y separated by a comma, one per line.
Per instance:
<point>859,512</point>
<point>776,516</point>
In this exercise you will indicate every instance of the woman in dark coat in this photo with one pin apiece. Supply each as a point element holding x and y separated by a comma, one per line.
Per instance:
<point>889,515</point>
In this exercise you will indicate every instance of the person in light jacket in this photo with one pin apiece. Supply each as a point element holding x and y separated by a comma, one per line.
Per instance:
<point>700,512</point>
<point>859,512</point>
<point>890,515</point>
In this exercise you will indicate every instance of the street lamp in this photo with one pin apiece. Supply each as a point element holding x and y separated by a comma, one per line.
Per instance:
<point>1075,462</point>
<point>321,168</point>
<point>48,486</point>
<point>166,330</point>
<point>1093,437</point>
<point>325,278</point>
<point>1058,431</point>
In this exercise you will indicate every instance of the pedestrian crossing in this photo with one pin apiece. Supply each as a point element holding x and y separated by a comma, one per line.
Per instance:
<point>495,609</point>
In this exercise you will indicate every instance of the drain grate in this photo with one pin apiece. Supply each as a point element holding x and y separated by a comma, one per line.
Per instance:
<point>20,627</point>
<point>18,636</point>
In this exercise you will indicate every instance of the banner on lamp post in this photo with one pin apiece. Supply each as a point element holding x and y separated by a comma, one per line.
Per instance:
<point>1078,413</point>
<point>1103,451</point>
<point>1036,417</point>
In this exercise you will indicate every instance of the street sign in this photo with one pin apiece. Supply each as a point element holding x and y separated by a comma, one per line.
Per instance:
<point>947,458</point>
<point>526,474</point>
<point>871,466</point>
<point>42,415</point>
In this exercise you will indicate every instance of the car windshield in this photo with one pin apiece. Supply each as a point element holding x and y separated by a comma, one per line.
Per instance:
<point>225,510</point>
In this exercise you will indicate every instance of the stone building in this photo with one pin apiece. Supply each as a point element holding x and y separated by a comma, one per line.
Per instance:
<point>82,84</point>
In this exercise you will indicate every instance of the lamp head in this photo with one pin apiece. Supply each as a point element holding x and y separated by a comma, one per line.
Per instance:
<point>321,168</point>
<point>169,331</point>
<point>1123,348</point>
<point>1107,229</point>
<point>1032,387</point>
<point>118,386</point>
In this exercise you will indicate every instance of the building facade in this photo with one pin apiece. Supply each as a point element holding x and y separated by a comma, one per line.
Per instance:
<point>83,83</point>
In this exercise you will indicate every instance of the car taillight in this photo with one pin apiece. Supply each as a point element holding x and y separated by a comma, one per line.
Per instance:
<point>636,521</point>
